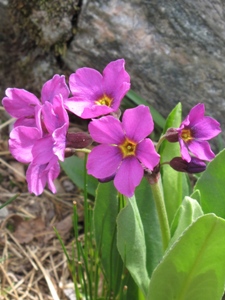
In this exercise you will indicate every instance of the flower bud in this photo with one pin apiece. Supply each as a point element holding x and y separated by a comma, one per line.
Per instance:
<point>194,166</point>
<point>78,140</point>
<point>171,135</point>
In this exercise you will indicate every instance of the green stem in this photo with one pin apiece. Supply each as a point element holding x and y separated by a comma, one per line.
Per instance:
<point>162,138</point>
<point>161,211</point>
<point>86,214</point>
<point>83,150</point>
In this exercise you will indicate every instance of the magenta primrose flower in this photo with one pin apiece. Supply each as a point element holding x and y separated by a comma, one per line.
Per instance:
<point>96,94</point>
<point>42,145</point>
<point>24,105</point>
<point>124,151</point>
<point>194,132</point>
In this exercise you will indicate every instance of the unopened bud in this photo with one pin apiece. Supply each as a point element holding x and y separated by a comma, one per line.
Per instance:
<point>78,140</point>
<point>171,135</point>
<point>194,166</point>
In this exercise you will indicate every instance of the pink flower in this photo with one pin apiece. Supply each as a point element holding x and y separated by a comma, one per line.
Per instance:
<point>94,94</point>
<point>125,152</point>
<point>43,145</point>
<point>24,105</point>
<point>194,132</point>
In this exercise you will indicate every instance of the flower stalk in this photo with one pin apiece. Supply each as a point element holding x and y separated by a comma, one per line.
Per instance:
<point>161,211</point>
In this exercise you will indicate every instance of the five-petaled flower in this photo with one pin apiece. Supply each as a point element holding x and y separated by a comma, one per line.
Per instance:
<point>96,94</point>
<point>194,132</point>
<point>124,151</point>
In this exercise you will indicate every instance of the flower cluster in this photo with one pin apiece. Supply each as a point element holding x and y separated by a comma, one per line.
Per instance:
<point>40,135</point>
<point>124,152</point>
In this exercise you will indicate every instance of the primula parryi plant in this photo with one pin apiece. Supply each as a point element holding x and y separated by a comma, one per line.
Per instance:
<point>144,254</point>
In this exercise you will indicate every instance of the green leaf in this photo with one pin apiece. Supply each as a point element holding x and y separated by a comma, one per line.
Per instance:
<point>138,100</point>
<point>196,195</point>
<point>211,186</point>
<point>150,222</point>
<point>105,214</point>
<point>173,182</point>
<point>187,213</point>
<point>131,243</point>
<point>194,267</point>
<point>74,168</point>
<point>145,247</point>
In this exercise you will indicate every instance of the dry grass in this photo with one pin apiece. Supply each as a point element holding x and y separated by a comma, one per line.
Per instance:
<point>32,262</point>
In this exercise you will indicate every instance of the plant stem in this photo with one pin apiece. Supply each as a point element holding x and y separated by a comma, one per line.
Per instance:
<point>86,214</point>
<point>161,211</point>
<point>162,138</point>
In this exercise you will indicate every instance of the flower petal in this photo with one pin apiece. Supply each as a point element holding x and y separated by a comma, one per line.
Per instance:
<point>86,109</point>
<point>116,81</point>
<point>137,123</point>
<point>36,178</point>
<point>59,137</point>
<point>106,130</point>
<point>103,161</point>
<point>196,113</point>
<point>27,122</point>
<point>128,176</point>
<point>38,175</point>
<point>206,129</point>
<point>147,154</point>
<point>53,169</point>
<point>184,151</point>
<point>21,142</point>
<point>201,149</point>
<point>55,115</point>
<point>20,103</point>
<point>86,84</point>
<point>55,86</point>
<point>42,150</point>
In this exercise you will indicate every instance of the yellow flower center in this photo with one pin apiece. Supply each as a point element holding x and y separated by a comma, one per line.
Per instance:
<point>104,100</point>
<point>186,135</point>
<point>128,148</point>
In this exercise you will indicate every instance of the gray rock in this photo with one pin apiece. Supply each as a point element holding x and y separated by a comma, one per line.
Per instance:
<point>174,50</point>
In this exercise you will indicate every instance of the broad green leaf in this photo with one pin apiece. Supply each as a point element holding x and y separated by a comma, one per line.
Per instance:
<point>131,243</point>
<point>74,168</point>
<point>196,195</point>
<point>150,222</point>
<point>143,214</point>
<point>105,214</point>
<point>172,180</point>
<point>194,268</point>
<point>187,213</point>
<point>211,186</point>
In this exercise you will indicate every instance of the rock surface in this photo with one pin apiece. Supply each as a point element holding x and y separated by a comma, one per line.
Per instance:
<point>174,50</point>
